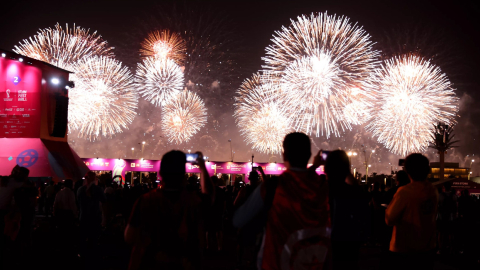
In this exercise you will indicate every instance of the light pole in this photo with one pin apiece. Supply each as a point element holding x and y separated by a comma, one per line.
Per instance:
<point>366,175</point>
<point>231,151</point>
<point>367,161</point>
<point>350,154</point>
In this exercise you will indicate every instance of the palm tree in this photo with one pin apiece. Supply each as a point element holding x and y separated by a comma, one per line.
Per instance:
<point>442,140</point>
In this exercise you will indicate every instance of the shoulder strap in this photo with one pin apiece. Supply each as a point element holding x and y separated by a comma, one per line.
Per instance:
<point>271,188</point>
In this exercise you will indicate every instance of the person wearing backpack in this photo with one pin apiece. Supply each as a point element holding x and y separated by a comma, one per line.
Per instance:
<point>297,228</point>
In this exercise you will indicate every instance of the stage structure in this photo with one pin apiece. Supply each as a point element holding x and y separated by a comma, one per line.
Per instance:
<point>34,118</point>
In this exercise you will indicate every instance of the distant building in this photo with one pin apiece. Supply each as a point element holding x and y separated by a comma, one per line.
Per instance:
<point>460,184</point>
<point>451,170</point>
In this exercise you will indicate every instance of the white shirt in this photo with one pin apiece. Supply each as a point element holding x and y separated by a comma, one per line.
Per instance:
<point>65,200</point>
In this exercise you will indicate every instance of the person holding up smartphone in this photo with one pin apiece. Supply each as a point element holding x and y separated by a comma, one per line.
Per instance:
<point>164,224</point>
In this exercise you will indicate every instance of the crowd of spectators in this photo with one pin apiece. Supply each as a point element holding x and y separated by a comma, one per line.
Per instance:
<point>296,220</point>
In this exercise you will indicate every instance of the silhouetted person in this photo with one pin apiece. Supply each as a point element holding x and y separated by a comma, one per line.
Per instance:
<point>25,199</point>
<point>49,198</point>
<point>466,221</point>
<point>401,179</point>
<point>10,214</point>
<point>296,206</point>
<point>349,211</point>
<point>41,198</point>
<point>89,198</point>
<point>248,235</point>
<point>412,214</point>
<point>214,217</point>
<point>192,183</point>
<point>65,211</point>
<point>247,190</point>
<point>378,214</point>
<point>165,224</point>
<point>447,211</point>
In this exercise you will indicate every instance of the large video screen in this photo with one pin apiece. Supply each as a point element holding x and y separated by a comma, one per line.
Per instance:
<point>20,86</point>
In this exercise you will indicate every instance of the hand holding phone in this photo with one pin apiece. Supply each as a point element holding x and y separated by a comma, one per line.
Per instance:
<point>192,158</point>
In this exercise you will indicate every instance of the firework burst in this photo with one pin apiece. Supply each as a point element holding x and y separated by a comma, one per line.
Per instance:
<point>159,80</point>
<point>412,95</point>
<point>63,47</point>
<point>261,116</point>
<point>102,102</point>
<point>183,116</point>
<point>320,59</point>
<point>164,45</point>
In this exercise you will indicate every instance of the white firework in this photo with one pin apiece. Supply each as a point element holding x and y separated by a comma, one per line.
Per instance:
<point>62,47</point>
<point>262,117</point>
<point>412,94</point>
<point>103,101</point>
<point>183,116</point>
<point>159,80</point>
<point>320,59</point>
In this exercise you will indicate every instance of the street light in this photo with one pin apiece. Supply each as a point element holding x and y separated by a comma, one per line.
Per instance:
<point>366,175</point>
<point>350,154</point>
<point>231,152</point>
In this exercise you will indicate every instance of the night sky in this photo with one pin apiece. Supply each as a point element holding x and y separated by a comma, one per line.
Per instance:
<point>254,22</point>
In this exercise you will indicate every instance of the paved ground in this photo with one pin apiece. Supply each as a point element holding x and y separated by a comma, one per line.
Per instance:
<point>53,252</point>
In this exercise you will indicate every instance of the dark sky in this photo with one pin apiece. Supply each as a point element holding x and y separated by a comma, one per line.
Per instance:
<point>255,22</point>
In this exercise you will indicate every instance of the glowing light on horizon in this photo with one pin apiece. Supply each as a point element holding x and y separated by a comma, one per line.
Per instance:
<point>323,63</point>
<point>183,116</point>
<point>412,95</point>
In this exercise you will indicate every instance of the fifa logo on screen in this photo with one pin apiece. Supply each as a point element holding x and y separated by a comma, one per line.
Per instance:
<point>8,98</point>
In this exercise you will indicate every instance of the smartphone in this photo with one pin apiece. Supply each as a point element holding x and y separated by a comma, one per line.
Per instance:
<point>192,158</point>
<point>255,169</point>
<point>325,154</point>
